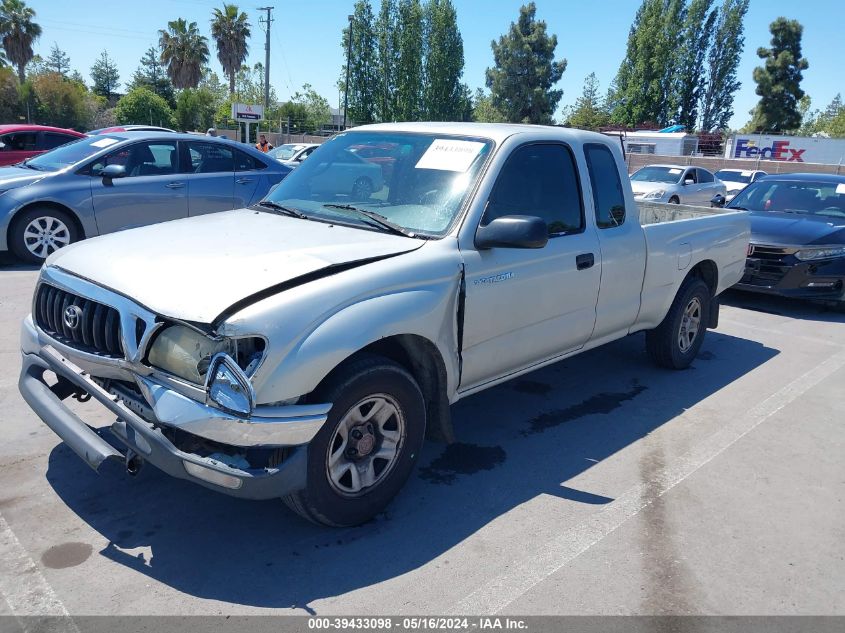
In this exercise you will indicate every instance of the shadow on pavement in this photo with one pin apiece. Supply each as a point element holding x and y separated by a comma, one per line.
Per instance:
<point>10,262</point>
<point>517,441</point>
<point>804,309</point>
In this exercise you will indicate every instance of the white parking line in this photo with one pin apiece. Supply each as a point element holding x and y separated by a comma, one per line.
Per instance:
<point>22,584</point>
<point>547,558</point>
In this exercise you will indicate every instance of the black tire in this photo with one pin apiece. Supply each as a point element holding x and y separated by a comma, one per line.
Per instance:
<point>66,233</point>
<point>322,501</point>
<point>663,343</point>
<point>362,189</point>
<point>674,200</point>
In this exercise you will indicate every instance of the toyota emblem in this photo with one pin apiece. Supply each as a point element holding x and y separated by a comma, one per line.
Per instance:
<point>72,315</point>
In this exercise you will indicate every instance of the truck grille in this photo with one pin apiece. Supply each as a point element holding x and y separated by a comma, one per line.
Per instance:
<point>97,326</point>
<point>767,265</point>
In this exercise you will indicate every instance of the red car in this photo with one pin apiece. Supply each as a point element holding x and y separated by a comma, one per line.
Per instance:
<point>19,142</point>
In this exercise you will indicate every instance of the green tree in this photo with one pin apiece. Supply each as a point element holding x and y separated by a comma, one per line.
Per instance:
<point>151,74</point>
<point>58,61</point>
<point>387,36</point>
<point>142,105</point>
<point>195,109</point>
<point>590,111</point>
<point>60,102</point>
<point>483,109</point>
<point>525,70</point>
<point>409,61</point>
<point>19,32</point>
<point>105,76</point>
<point>184,52</point>
<point>722,62</point>
<point>779,79</point>
<point>363,70</point>
<point>9,98</point>
<point>230,29</point>
<point>829,122</point>
<point>689,73</point>
<point>644,87</point>
<point>443,93</point>
<point>315,108</point>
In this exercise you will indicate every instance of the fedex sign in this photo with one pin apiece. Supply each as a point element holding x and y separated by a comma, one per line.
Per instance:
<point>778,150</point>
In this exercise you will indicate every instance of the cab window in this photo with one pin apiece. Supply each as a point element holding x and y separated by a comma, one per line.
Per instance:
<point>540,180</point>
<point>18,142</point>
<point>608,195</point>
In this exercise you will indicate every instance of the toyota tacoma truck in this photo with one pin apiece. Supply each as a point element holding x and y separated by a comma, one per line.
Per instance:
<point>304,347</point>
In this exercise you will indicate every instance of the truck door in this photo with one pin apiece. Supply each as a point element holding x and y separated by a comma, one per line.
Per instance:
<point>621,240</point>
<point>523,306</point>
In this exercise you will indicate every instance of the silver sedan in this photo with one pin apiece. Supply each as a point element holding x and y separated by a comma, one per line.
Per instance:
<point>115,181</point>
<point>676,184</point>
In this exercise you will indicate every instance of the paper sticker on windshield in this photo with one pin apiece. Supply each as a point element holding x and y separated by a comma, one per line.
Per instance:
<point>747,174</point>
<point>449,155</point>
<point>104,142</point>
<point>840,189</point>
<point>675,171</point>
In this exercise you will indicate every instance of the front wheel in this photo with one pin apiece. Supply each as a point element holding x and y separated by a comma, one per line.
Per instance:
<point>676,341</point>
<point>367,448</point>
<point>39,232</point>
<point>674,200</point>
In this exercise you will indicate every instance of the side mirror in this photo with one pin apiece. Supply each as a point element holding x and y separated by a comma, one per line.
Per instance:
<point>689,180</point>
<point>2,145</point>
<point>717,201</point>
<point>113,171</point>
<point>513,231</point>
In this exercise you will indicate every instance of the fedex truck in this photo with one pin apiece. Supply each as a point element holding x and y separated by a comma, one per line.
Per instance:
<point>793,149</point>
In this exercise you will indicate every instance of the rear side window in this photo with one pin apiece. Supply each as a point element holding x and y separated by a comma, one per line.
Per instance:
<point>539,180</point>
<point>210,158</point>
<point>51,139</point>
<point>245,162</point>
<point>18,142</point>
<point>704,176</point>
<point>608,195</point>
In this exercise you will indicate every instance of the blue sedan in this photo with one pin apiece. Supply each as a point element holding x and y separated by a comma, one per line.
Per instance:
<point>116,181</point>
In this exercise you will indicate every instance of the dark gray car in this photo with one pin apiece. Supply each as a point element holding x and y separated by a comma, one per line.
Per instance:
<point>111,182</point>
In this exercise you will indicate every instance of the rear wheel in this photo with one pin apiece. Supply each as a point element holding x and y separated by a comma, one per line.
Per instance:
<point>676,341</point>
<point>39,232</point>
<point>362,189</point>
<point>365,452</point>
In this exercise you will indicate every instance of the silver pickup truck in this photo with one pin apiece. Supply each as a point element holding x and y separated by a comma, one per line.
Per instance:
<point>304,347</point>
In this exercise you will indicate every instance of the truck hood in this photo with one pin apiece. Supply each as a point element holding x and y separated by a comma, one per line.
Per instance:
<point>196,268</point>
<point>14,177</point>
<point>792,229</point>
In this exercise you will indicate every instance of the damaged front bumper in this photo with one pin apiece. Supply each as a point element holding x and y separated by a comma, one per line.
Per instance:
<point>153,441</point>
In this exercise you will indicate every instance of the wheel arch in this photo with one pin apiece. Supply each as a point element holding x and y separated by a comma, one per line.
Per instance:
<point>50,204</point>
<point>708,272</point>
<point>423,360</point>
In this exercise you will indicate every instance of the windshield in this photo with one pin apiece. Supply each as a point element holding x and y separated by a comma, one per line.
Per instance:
<point>805,197</point>
<point>415,181</point>
<point>654,173</point>
<point>71,153</point>
<point>285,152</point>
<point>731,175</point>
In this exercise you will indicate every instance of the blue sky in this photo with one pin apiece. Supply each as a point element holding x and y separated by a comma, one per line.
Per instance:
<point>305,44</point>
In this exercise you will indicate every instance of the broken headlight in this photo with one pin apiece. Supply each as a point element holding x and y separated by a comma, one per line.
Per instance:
<point>187,353</point>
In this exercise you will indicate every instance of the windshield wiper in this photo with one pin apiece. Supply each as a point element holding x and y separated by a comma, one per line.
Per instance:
<point>377,218</point>
<point>269,204</point>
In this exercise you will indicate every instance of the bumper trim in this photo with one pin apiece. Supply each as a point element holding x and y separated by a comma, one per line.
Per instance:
<point>139,435</point>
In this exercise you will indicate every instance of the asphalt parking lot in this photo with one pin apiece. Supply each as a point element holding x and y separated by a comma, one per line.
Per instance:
<point>600,485</point>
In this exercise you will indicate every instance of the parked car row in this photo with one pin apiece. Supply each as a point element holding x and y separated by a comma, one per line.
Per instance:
<point>109,182</point>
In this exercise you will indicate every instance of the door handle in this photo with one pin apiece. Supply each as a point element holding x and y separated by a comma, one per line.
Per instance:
<point>243,181</point>
<point>175,185</point>
<point>584,261</point>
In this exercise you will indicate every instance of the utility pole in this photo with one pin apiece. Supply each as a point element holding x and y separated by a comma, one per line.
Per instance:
<point>266,21</point>
<point>348,64</point>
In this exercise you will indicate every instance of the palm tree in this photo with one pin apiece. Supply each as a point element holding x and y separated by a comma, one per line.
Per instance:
<point>18,32</point>
<point>183,52</point>
<point>230,31</point>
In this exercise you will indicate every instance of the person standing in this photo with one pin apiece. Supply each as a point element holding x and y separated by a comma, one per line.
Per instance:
<point>263,144</point>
